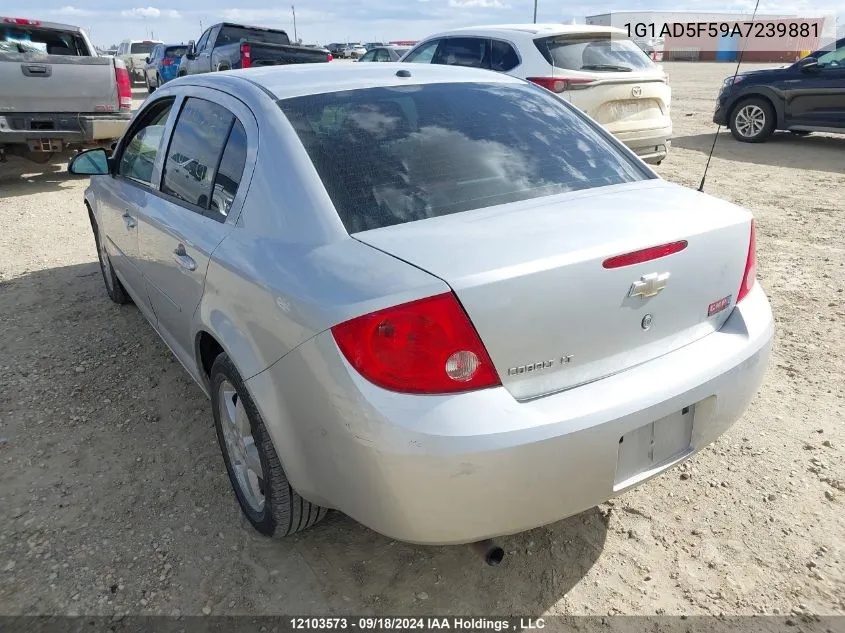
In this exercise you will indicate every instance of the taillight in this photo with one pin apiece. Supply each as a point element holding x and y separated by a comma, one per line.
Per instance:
<point>644,255</point>
<point>427,346</point>
<point>750,274</point>
<point>329,57</point>
<point>21,21</point>
<point>246,56</point>
<point>124,87</point>
<point>166,62</point>
<point>559,84</point>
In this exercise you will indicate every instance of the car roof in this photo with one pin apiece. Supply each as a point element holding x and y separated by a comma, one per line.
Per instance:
<point>531,29</point>
<point>296,80</point>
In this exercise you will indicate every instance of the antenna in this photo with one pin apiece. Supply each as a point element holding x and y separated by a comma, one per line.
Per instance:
<point>719,128</point>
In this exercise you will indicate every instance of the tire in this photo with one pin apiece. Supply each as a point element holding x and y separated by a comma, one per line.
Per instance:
<point>150,89</point>
<point>267,499</point>
<point>114,289</point>
<point>752,120</point>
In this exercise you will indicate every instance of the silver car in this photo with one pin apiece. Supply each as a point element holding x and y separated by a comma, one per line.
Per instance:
<point>440,300</point>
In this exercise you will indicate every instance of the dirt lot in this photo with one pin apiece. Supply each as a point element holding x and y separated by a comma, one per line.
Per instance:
<point>114,498</point>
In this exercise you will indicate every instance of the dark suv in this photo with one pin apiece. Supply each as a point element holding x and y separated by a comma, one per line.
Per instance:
<point>808,96</point>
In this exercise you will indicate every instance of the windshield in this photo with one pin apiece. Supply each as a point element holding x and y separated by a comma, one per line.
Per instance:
<point>593,53</point>
<point>40,41</point>
<point>142,48</point>
<point>176,52</point>
<point>234,34</point>
<point>393,155</point>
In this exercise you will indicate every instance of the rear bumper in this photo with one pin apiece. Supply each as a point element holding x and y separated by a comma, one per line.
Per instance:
<point>652,145</point>
<point>70,128</point>
<point>461,468</point>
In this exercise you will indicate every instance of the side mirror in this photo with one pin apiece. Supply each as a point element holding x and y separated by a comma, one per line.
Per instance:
<point>808,64</point>
<point>91,162</point>
<point>192,50</point>
<point>147,60</point>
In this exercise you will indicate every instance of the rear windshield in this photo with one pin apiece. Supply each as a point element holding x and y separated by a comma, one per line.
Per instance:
<point>234,34</point>
<point>393,155</point>
<point>178,51</point>
<point>142,48</point>
<point>32,40</point>
<point>593,53</point>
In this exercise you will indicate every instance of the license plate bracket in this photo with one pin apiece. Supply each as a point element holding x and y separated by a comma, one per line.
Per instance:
<point>652,446</point>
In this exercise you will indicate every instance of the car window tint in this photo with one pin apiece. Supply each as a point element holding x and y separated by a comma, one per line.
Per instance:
<point>594,53</point>
<point>199,135</point>
<point>139,156</point>
<point>502,56</point>
<point>382,55</point>
<point>833,59</point>
<point>229,174</point>
<point>424,54</point>
<point>464,51</point>
<point>368,57</point>
<point>201,44</point>
<point>393,155</point>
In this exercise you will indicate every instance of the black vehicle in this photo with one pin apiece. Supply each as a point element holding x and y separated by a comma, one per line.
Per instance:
<point>228,46</point>
<point>808,96</point>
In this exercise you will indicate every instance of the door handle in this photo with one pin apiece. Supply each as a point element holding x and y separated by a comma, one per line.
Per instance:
<point>129,220</point>
<point>183,259</point>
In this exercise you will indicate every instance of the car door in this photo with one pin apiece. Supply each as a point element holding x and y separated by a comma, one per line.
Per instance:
<point>204,60</point>
<point>194,208</point>
<point>125,194</point>
<point>817,97</point>
<point>191,64</point>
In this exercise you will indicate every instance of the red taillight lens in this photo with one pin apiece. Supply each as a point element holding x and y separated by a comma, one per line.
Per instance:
<point>644,255</point>
<point>329,57</point>
<point>21,21</point>
<point>124,87</point>
<point>750,275</point>
<point>559,84</point>
<point>166,62</point>
<point>427,346</point>
<point>246,56</point>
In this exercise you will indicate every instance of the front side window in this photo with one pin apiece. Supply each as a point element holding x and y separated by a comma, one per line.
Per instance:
<point>203,40</point>
<point>593,53</point>
<point>472,52</point>
<point>198,139</point>
<point>833,59</point>
<point>382,55</point>
<point>370,56</point>
<point>424,54</point>
<point>393,155</point>
<point>139,155</point>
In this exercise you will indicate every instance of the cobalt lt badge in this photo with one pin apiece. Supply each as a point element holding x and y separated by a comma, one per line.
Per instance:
<point>646,322</point>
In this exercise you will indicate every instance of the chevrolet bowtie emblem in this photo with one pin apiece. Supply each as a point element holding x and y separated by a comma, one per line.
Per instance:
<point>648,285</point>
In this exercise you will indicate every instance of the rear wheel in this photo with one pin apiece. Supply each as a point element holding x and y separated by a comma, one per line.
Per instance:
<point>752,121</point>
<point>150,88</point>
<point>266,497</point>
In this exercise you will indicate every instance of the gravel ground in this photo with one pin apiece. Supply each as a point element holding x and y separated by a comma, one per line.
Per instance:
<point>114,499</point>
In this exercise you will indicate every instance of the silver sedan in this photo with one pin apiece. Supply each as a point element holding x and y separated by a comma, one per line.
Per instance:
<point>437,299</point>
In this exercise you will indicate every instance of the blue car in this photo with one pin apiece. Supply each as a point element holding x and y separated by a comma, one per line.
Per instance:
<point>163,64</point>
<point>808,96</point>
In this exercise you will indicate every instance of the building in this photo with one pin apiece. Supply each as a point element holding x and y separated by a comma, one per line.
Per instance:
<point>714,36</point>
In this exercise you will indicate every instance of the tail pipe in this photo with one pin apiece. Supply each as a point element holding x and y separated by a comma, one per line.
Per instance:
<point>490,551</point>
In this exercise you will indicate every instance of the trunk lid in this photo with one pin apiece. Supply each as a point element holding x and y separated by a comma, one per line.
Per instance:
<point>530,276</point>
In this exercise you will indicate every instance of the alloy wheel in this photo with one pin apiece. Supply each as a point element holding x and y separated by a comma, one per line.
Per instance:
<point>240,446</point>
<point>750,121</point>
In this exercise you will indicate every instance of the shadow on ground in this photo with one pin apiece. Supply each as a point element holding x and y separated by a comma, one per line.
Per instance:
<point>129,471</point>
<point>19,177</point>
<point>783,149</point>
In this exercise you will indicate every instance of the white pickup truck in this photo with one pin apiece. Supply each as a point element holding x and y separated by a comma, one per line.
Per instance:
<point>56,92</point>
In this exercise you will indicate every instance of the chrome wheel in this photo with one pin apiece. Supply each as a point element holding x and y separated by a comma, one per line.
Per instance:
<point>240,446</point>
<point>750,121</point>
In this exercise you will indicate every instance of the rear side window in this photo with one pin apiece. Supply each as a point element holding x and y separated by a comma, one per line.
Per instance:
<point>473,52</point>
<point>229,174</point>
<point>503,57</point>
<point>393,155</point>
<point>593,53</point>
<point>28,40</point>
<point>198,139</point>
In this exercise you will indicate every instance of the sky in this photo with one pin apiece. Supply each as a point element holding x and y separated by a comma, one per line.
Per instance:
<point>325,21</point>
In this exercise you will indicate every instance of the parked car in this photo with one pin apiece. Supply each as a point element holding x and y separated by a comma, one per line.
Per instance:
<point>163,64</point>
<point>383,340</point>
<point>57,94</point>
<point>134,54</point>
<point>229,46</point>
<point>808,96</point>
<point>353,51</point>
<point>384,54</point>
<point>336,49</point>
<point>595,68</point>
